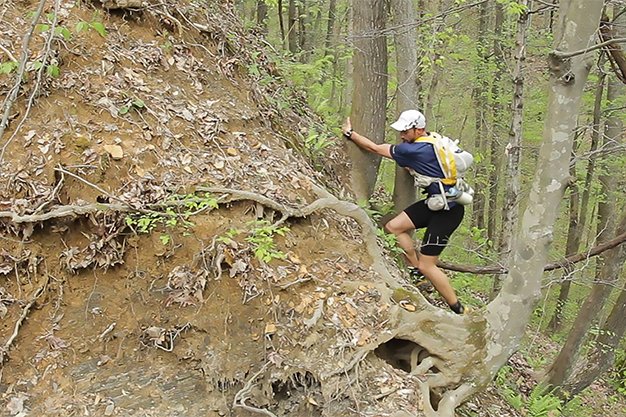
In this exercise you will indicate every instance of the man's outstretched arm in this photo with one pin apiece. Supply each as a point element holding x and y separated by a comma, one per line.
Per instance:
<point>383,149</point>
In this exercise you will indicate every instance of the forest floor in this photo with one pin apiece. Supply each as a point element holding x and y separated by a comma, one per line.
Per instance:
<point>152,315</point>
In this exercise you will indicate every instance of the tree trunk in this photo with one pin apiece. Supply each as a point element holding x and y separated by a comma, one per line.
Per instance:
<point>370,92</point>
<point>602,356</point>
<point>404,190</point>
<point>436,71</point>
<point>578,212</point>
<point>606,272</point>
<point>330,26</point>
<point>510,312</point>
<point>303,18</point>
<point>513,151</point>
<point>292,31</point>
<point>495,150</point>
<point>281,23</point>
<point>481,114</point>
<point>261,15</point>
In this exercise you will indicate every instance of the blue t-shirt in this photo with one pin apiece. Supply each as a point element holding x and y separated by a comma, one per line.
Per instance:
<point>421,158</point>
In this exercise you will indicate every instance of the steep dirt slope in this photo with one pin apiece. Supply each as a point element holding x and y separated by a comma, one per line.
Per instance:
<point>154,117</point>
<point>166,250</point>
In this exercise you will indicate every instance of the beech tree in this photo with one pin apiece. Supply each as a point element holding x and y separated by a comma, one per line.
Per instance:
<point>568,372</point>
<point>510,212</point>
<point>468,351</point>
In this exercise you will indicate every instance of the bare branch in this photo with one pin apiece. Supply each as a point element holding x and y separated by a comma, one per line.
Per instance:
<point>565,55</point>
<point>568,261</point>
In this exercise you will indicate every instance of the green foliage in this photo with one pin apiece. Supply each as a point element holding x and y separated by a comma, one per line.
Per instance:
<point>540,402</point>
<point>389,242</point>
<point>61,32</point>
<point>261,238</point>
<point>8,67</point>
<point>95,25</point>
<point>618,373</point>
<point>144,223</point>
<point>575,408</point>
<point>316,142</point>
<point>176,215</point>
<point>513,8</point>
<point>543,403</point>
<point>135,103</point>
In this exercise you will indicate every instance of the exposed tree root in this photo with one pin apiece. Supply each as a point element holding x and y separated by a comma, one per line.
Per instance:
<point>326,201</point>
<point>4,350</point>
<point>244,394</point>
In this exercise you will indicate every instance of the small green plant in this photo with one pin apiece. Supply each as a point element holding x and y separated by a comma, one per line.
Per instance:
<point>144,223</point>
<point>228,237</point>
<point>135,103</point>
<point>94,25</point>
<point>8,67</point>
<point>540,402</point>
<point>262,240</point>
<point>543,403</point>
<point>165,239</point>
<point>316,142</point>
<point>618,373</point>
<point>176,215</point>
<point>389,241</point>
<point>511,396</point>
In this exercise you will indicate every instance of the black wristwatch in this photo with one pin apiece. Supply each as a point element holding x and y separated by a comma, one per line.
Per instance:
<point>348,134</point>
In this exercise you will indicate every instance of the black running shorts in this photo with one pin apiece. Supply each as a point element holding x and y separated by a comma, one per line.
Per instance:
<point>439,225</point>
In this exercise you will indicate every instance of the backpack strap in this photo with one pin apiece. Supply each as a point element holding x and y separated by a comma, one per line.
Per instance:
<point>445,159</point>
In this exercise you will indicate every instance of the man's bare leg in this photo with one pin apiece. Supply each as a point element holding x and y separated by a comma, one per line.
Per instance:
<point>400,226</point>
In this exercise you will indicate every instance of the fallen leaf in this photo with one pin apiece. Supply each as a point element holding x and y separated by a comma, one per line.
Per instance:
<point>232,151</point>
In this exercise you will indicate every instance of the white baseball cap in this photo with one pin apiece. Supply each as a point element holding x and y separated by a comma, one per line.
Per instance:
<point>409,119</point>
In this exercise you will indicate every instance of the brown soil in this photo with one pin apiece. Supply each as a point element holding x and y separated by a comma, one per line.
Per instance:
<point>177,322</point>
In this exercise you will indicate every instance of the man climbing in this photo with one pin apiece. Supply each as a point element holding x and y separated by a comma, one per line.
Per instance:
<point>417,153</point>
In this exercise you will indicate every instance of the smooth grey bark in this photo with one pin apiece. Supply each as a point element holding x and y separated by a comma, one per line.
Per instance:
<point>497,334</point>
<point>481,113</point>
<point>370,91</point>
<point>510,212</point>
<point>608,267</point>
<point>509,313</point>
<point>407,94</point>
<point>578,212</point>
